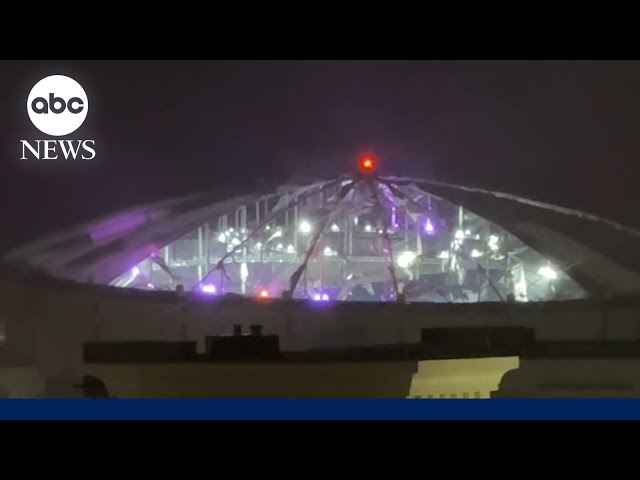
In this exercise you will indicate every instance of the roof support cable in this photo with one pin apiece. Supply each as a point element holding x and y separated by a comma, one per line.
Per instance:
<point>480,268</point>
<point>269,218</point>
<point>295,278</point>
<point>399,297</point>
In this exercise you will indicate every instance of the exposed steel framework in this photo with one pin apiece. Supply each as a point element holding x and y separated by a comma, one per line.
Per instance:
<point>360,237</point>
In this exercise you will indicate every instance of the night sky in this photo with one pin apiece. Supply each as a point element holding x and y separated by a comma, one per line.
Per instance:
<point>565,132</point>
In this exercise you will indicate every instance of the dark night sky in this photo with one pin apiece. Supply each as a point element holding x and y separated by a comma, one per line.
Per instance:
<point>565,132</point>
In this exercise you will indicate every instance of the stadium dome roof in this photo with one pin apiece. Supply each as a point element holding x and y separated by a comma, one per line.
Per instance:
<point>360,237</point>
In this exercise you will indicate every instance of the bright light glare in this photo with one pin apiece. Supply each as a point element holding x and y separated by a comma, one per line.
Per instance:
<point>290,249</point>
<point>475,253</point>
<point>335,228</point>
<point>405,259</point>
<point>264,293</point>
<point>459,234</point>
<point>208,289</point>
<point>493,242</point>
<point>276,234</point>
<point>305,227</point>
<point>135,271</point>
<point>444,254</point>
<point>548,272</point>
<point>367,163</point>
<point>222,238</point>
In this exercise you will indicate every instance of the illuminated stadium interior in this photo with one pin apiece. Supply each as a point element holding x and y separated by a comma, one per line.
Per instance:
<point>360,237</point>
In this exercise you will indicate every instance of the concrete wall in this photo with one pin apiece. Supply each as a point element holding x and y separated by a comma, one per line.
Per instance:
<point>47,324</point>
<point>322,380</point>
<point>461,378</point>
<point>508,377</point>
<point>465,378</point>
<point>21,382</point>
<point>575,378</point>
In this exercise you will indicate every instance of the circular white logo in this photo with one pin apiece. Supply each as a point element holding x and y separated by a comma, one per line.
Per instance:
<point>57,105</point>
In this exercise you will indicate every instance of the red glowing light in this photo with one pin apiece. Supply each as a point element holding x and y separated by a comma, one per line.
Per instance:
<point>367,163</point>
<point>264,293</point>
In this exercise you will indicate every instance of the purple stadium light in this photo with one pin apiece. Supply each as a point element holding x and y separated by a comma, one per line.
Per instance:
<point>208,289</point>
<point>394,224</point>
<point>428,227</point>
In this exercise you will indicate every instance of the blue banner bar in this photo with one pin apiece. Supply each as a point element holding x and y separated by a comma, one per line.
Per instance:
<point>317,409</point>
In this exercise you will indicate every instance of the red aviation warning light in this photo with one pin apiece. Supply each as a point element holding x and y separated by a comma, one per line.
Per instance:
<point>367,164</point>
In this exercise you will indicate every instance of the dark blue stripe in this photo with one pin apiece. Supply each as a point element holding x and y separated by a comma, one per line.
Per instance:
<point>319,409</point>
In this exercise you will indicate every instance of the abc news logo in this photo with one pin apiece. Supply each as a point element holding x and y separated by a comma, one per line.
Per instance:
<point>57,106</point>
<point>40,105</point>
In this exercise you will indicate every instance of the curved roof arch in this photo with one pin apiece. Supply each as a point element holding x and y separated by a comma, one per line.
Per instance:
<point>354,237</point>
